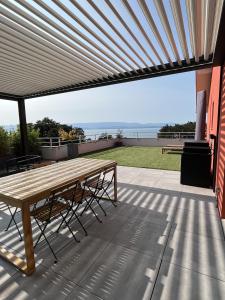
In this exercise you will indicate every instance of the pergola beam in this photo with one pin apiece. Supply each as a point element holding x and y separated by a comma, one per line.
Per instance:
<point>23,126</point>
<point>184,67</point>
<point>6,96</point>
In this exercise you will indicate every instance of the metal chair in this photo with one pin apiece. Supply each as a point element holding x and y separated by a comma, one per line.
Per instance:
<point>75,196</point>
<point>105,183</point>
<point>99,185</point>
<point>54,208</point>
<point>91,184</point>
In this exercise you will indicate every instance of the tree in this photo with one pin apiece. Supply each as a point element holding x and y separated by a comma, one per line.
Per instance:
<point>47,127</point>
<point>74,134</point>
<point>4,142</point>
<point>187,127</point>
<point>50,128</point>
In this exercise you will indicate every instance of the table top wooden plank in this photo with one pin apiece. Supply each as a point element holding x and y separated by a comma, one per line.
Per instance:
<point>34,185</point>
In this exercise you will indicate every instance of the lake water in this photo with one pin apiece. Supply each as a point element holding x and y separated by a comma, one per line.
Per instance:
<point>149,132</point>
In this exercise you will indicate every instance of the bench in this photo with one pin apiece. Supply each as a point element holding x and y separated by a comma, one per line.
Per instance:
<point>172,148</point>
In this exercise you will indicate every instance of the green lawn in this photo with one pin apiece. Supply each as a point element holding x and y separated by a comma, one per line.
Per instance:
<point>143,157</point>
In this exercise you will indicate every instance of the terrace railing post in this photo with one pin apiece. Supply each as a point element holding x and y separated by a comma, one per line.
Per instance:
<point>23,126</point>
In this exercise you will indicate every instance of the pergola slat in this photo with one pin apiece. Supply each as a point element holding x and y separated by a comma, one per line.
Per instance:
<point>23,39</point>
<point>49,47</point>
<point>178,18</point>
<point>86,50</point>
<point>36,34</point>
<point>165,22</point>
<point>88,29</point>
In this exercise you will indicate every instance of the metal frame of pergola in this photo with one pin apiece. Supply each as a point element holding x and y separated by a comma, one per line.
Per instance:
<point>51,47</point>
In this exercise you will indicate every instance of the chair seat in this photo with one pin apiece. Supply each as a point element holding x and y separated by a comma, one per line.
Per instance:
<point>42,213</point>
<point>99,185</point>
<point>80,194</point>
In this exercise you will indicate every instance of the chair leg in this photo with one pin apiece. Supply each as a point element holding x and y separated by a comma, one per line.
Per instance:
<point>86,206</point>
<point>43,234</point>
<point>60,225</point>
<point>78,219</point>
<point>100,221</point>
<point>85,231</point>
<point>67,225</point>
<point>41,229</point>
<point>14,221</point>
<point>113,202</point>
<point>101,206</point>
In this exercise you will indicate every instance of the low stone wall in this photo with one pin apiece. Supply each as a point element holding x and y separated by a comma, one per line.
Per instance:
<point>95,146</point>
<point>63,151</point>
<point>54,153</point>
<point>152,142</point>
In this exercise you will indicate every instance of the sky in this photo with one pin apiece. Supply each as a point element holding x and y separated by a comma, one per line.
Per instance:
<point>163,99</point>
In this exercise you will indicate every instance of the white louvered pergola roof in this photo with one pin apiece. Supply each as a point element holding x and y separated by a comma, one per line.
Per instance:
<point>53,46</point>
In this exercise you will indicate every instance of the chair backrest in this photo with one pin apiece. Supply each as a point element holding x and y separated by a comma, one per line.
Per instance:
<point>62,192</point>
<point>107,171</point>
<point>92,179</point>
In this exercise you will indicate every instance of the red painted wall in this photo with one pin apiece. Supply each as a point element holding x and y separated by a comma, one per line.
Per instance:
<point>220,176</point>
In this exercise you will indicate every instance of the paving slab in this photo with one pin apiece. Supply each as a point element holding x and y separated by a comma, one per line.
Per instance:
<point>75,260</point>
<point>79,293</point>
<point>198,222</point>
<point>176,283</point>
<point>197,252</point>
<point>143,236</point>
<point>120,273</point>
<point>43,284</point>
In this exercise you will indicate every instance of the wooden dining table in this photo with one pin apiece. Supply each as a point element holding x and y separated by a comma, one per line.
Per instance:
<point>24,189</point>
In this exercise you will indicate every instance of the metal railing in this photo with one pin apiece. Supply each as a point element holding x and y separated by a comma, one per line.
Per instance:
<point>176,135</point>
<point>57,141</point>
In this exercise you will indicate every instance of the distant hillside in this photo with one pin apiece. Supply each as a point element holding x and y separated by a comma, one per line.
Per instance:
<point>107,125</point>
<point>117,125</point>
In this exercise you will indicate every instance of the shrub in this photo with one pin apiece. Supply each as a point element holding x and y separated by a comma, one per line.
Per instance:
<point>33,143</point>
<point>76,134</point>
<point>4,142</point>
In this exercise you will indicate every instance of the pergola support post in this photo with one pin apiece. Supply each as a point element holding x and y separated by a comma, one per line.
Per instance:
<point>23,126</point>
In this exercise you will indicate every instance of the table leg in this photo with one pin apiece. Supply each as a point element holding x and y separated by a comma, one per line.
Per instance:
<point>28,266</point>
<point>115,184</point>
<point>28,240</point>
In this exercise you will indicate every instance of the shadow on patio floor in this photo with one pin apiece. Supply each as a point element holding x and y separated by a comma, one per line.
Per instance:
<point>156,244</point>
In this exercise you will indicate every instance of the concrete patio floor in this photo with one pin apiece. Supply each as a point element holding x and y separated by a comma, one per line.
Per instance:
<point>163,241</point>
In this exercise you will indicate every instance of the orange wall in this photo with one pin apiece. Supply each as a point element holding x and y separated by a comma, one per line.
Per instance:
<point>203,79</point>
<point>220,177</point>
<point>212,118</point>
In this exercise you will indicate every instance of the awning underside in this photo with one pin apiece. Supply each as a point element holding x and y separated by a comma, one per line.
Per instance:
<point>49,46</point>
